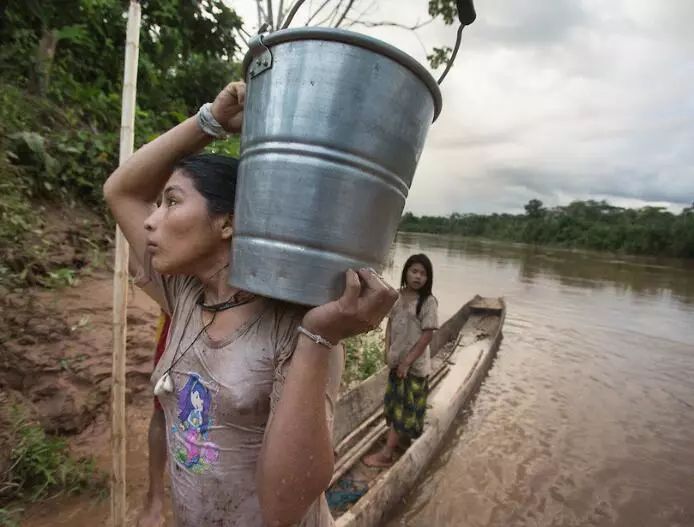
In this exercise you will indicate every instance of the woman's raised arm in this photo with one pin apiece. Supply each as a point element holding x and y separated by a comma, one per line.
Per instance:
<point>132,190</point>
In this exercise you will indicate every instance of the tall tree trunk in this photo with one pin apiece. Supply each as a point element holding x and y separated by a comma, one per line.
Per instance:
<point>45,52</point>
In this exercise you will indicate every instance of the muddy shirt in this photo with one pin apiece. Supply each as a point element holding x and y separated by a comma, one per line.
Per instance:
<point>406,326</point>
<point>224,393</point>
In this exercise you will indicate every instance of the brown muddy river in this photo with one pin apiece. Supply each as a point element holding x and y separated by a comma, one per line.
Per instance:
<point>587,417</point>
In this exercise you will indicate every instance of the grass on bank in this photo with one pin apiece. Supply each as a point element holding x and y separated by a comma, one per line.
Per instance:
<point>39,467</point>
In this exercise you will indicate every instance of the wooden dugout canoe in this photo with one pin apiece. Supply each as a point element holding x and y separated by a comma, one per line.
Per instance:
<point>462,352</point>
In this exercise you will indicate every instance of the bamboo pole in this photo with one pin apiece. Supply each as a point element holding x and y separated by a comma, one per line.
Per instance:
<point>120,279</point>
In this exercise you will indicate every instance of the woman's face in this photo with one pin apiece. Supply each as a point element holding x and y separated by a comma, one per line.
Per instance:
<point>182,237</point>
<point>416,276</point>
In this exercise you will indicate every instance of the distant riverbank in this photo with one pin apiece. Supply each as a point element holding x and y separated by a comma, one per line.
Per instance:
<point>593,225</point>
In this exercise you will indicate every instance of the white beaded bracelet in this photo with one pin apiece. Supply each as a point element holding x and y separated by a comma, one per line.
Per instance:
<point>208,123</point>
<point>315,338</point>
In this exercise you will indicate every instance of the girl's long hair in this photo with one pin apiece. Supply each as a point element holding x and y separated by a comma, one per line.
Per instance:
<point>425,291</point>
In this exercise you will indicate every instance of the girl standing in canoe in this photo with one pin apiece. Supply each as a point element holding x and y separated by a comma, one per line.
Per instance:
<point>411,326</point>
<point>247,384</point>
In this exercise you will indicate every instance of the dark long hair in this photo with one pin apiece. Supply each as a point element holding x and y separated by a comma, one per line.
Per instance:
<point>213,176</point>
<point>425,291</point>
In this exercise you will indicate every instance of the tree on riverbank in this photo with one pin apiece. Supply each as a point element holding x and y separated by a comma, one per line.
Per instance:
<point>60,92</point>
<point>581,224</point>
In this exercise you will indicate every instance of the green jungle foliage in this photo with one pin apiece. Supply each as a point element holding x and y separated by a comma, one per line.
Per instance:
<point>582,224</point>
<point>61,67</point>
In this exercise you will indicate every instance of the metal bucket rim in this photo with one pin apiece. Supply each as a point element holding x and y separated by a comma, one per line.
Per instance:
<point>357,39</point>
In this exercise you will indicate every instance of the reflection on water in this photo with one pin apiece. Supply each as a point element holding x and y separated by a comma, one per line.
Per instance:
<point>587,417</point>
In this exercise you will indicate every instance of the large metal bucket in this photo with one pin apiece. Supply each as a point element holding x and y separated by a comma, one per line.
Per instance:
<point>334,125</point>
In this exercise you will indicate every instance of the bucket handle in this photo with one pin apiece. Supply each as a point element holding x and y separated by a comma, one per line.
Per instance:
<point>262,56</point>
<point>466,15</point>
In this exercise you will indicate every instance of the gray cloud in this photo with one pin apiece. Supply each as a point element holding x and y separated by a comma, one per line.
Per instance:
<point>646,187</point>
<point>528,22</point>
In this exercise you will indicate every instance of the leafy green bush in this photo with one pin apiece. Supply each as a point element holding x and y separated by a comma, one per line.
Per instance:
<point>60,98</point>
<point>363,356</point>
<point>62,277</point>
<point>15,209</point>
<point>9,517</point>
<point>41,467</point>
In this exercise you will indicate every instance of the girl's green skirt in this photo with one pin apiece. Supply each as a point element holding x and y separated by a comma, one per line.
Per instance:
<point>405,403</point>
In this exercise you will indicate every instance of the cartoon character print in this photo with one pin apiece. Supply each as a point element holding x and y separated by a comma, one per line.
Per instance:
<point>193,450</point>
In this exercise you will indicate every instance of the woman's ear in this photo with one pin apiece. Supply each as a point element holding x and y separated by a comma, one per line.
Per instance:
<point>227,226</point>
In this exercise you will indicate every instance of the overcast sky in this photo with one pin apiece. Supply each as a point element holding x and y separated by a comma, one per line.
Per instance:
<point>556,100</point>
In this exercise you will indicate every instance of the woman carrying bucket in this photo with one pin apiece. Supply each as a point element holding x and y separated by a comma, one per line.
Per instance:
<point>247,383</point>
